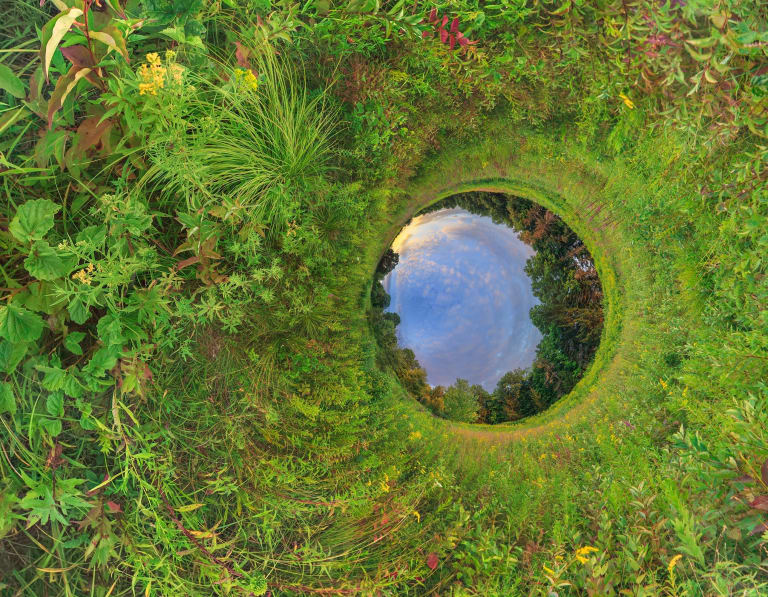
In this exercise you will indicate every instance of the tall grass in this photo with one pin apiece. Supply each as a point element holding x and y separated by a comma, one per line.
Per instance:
<point>245,143</point>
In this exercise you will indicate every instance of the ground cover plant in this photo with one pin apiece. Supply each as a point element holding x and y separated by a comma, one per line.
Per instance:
<point>195,196</point>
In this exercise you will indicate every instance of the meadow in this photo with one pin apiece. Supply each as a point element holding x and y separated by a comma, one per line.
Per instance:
<point>195,198</point>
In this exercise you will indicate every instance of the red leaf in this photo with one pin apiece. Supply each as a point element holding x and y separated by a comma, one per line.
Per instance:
<point>433,15</point>
<point>764,472</point>
<point>760,503</point>
<point>453,41</point>
<point>180,265</point>
<point>241,54</point>
<point>463,41</point>
<point>759,529</point>
<point>455,25</point>
<point>445,20</point>
<point>432,560</point>
<point>90,133</point>
<point>425,35</point>
<point>113,507</point>
<point>78,55</point>
<point>443,35</point>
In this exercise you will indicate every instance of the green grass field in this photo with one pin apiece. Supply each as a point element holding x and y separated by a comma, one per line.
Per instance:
<point>195,197</point>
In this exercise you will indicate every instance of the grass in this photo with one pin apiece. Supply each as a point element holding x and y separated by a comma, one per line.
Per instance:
<point>213,421</point>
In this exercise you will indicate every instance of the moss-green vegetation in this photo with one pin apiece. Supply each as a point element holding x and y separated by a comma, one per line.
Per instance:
<point>195,197</point>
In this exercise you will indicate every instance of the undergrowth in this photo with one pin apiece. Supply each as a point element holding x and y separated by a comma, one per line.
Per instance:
<point>195,198</point>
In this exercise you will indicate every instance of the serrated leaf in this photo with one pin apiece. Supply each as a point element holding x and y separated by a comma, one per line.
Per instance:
<point>72,342</point>
<point>52,426</point>
<point>11,354</point>
<point>110,330</point>
<point>11,83</point>
<point>18,324</point>
<point>54,377</point>
<point>102,360</point>
<point>33,219</point>
<point>54,404</point>
<point>44,263</point>
<point>53,32</point>
<point>7,399</point>
<point>78,311</point>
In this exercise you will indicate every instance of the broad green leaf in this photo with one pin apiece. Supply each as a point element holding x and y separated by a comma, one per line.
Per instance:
<point>52,426</point>
<point>102,360</point>
<point>72,342</point>
<point>54,404</point>
<point>44,263</point>
<point>54,377</point>
<point>93,235</point>
<point>52,143</point>
<point>17,324</point>
<point>11,354</point>
<point>33,220</point>
<point>53,32</point>
<point>78,311</point>
<point>110,330</point>
<point>11,83</point>
<point>7,399</point>
<point>71,386</point>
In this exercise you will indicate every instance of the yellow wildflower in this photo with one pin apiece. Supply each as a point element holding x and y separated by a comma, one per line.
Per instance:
<point>414,435</point>
<point>663,384</point>
<point>247,78</point>
<point>82,277</point>
<point>584,551</point>
<point>89,269</point>
<point>549,570</point>
<point>627,102</point>
<point>153,58</point>
<point>673,562</point>
<point>417,515</point>
<point>170,55</point>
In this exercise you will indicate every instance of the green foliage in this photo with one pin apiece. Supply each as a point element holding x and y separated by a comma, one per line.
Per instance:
<point>460,403</point>
<point>190,396</point>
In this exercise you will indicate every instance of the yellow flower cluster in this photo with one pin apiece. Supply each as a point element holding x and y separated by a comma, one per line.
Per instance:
<point>582,552</point>
<point>154,75</point>
<point>673,562</point>
<point>246,77</point>
<point>414,435</point>
<point>82,275</point>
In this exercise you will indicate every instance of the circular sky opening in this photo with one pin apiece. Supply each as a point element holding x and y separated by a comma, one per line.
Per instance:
<point>463,297</point>
<point>488,307</point>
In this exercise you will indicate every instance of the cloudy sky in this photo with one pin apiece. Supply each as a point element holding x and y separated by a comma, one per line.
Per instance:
<point>463,297</point>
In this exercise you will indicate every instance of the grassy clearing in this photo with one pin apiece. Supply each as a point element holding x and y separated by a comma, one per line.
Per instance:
<point>189,396</point>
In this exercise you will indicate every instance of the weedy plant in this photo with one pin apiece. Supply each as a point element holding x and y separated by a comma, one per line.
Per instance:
<point>194,198</point>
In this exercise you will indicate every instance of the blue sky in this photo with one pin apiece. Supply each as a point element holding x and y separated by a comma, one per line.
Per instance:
<point>463,297</point>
